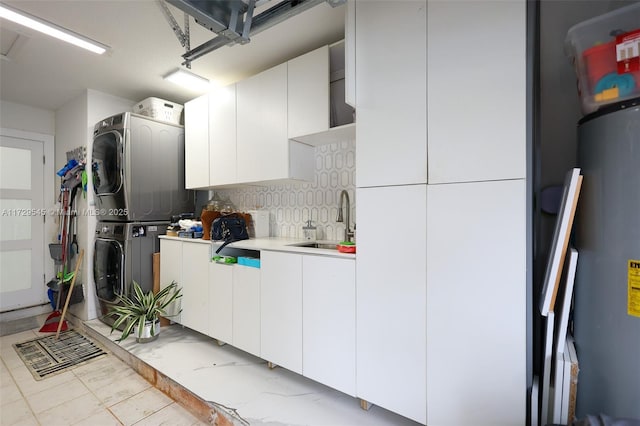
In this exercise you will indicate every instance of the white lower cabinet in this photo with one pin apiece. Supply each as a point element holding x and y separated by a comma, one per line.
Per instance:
<point>440,311</point>
<point>171,270</point>
<point>195,278</point>
<point>281,309</point>
<point>391,300</point>
<point>296,311</point>
<point>476,299</point>
<point>329,321</point>
<point>220,301</point>
<point>246,309</point>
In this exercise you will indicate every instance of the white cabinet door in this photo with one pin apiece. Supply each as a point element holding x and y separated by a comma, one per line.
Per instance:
<point>246,309</point>
<point>391,89</point>
<point>391,301</point>
<point>350,54</point>
<point>220,302</point>
<point>262,143</point>
<point>222,130</point>
<point>171,270</point>
<point>477,90</point>
<point>308,93</point>
<point>281,309</point>
<point>196,142</point>
<point>195,277</point>
<point>476,302</point>
<point>329,322</point>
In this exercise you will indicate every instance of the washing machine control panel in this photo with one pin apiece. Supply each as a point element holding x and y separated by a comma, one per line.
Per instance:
<point>110,230</point>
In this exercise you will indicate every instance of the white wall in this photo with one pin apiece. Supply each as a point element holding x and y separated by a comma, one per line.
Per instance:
<point>560,105</point>
<point>557,143</point>
<point>23,117</point>
<point>74,123</point>
<point>71,122</point>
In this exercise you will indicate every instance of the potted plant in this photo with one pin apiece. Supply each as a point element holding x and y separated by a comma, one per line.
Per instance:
<point>141,312</point>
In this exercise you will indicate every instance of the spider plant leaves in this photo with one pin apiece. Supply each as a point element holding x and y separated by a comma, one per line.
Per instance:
<point>139,308</point>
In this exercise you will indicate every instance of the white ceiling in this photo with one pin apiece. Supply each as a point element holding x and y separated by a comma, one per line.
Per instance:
<point>46,73</point>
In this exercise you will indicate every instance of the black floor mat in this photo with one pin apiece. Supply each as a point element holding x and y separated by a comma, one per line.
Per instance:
<point>46,356</point>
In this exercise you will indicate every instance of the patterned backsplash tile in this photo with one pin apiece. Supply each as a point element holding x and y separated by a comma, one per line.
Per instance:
<point>291,205</point>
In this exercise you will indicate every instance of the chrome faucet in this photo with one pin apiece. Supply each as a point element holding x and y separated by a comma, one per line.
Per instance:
<point>348,233</point>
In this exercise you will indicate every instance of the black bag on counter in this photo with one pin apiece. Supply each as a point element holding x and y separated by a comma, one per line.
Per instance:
<point>229,228</point>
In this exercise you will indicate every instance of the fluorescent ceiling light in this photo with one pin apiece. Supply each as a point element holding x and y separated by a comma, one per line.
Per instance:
<point>188,80</point>
<point>50,29</point>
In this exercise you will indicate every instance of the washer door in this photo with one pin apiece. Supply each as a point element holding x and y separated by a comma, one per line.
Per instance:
<point>107,163</point>
<point>108,269</point>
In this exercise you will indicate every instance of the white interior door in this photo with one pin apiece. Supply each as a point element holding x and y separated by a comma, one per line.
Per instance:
<point>22,211</point>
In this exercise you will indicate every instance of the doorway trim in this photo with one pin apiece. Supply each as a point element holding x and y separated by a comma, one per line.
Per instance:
<point>49,189</point>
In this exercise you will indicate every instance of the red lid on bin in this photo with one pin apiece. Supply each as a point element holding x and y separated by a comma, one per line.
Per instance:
<point>599,61</point>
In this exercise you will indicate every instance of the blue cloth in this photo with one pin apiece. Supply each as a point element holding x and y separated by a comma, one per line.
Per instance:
<point>51,295</point>
<point>624,82</point>
<point>70,165</point>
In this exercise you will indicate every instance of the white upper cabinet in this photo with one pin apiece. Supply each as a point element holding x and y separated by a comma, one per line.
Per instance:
<point>262,126</point>
<point>196,147</point>
<point>264,151</point>
<point>222,135</point>
<point>477,90</point>
<point>391,92</point>
<point>350,54</point>
<point>318,113</point>
<point>308,93</point>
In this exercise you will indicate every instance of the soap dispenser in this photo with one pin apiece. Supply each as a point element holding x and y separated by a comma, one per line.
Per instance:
<point>309,231</point>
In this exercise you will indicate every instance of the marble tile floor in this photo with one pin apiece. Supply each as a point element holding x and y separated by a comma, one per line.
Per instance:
<point>103,391</point>
<point>238,388</point>
<point>183,378</point>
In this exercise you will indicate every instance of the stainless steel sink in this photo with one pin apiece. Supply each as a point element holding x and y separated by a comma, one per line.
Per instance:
<point>314,244</point>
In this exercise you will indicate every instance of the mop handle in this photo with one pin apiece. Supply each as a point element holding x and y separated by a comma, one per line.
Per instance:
<point>66,303</point>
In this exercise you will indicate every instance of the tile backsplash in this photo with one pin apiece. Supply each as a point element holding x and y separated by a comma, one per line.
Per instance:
<point>291,205</point>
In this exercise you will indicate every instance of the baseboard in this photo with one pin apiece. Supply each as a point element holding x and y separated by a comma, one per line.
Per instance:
<point>33,311</point>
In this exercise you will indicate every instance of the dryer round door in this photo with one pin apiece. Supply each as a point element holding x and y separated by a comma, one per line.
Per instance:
<point>108,269</point>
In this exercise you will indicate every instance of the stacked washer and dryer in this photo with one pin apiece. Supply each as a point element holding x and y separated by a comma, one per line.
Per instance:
<point>138,179</point>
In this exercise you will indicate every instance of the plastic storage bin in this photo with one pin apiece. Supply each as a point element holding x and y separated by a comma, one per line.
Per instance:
<point>160,109</point>
<point>605,52</point>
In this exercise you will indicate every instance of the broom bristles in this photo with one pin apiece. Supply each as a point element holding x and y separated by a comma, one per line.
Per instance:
<point>51,323</point>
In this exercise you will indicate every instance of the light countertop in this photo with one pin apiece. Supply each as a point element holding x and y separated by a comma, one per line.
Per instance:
<point>271,244</point>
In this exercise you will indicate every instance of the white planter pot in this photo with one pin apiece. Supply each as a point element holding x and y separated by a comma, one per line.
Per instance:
<point>150,332</point>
